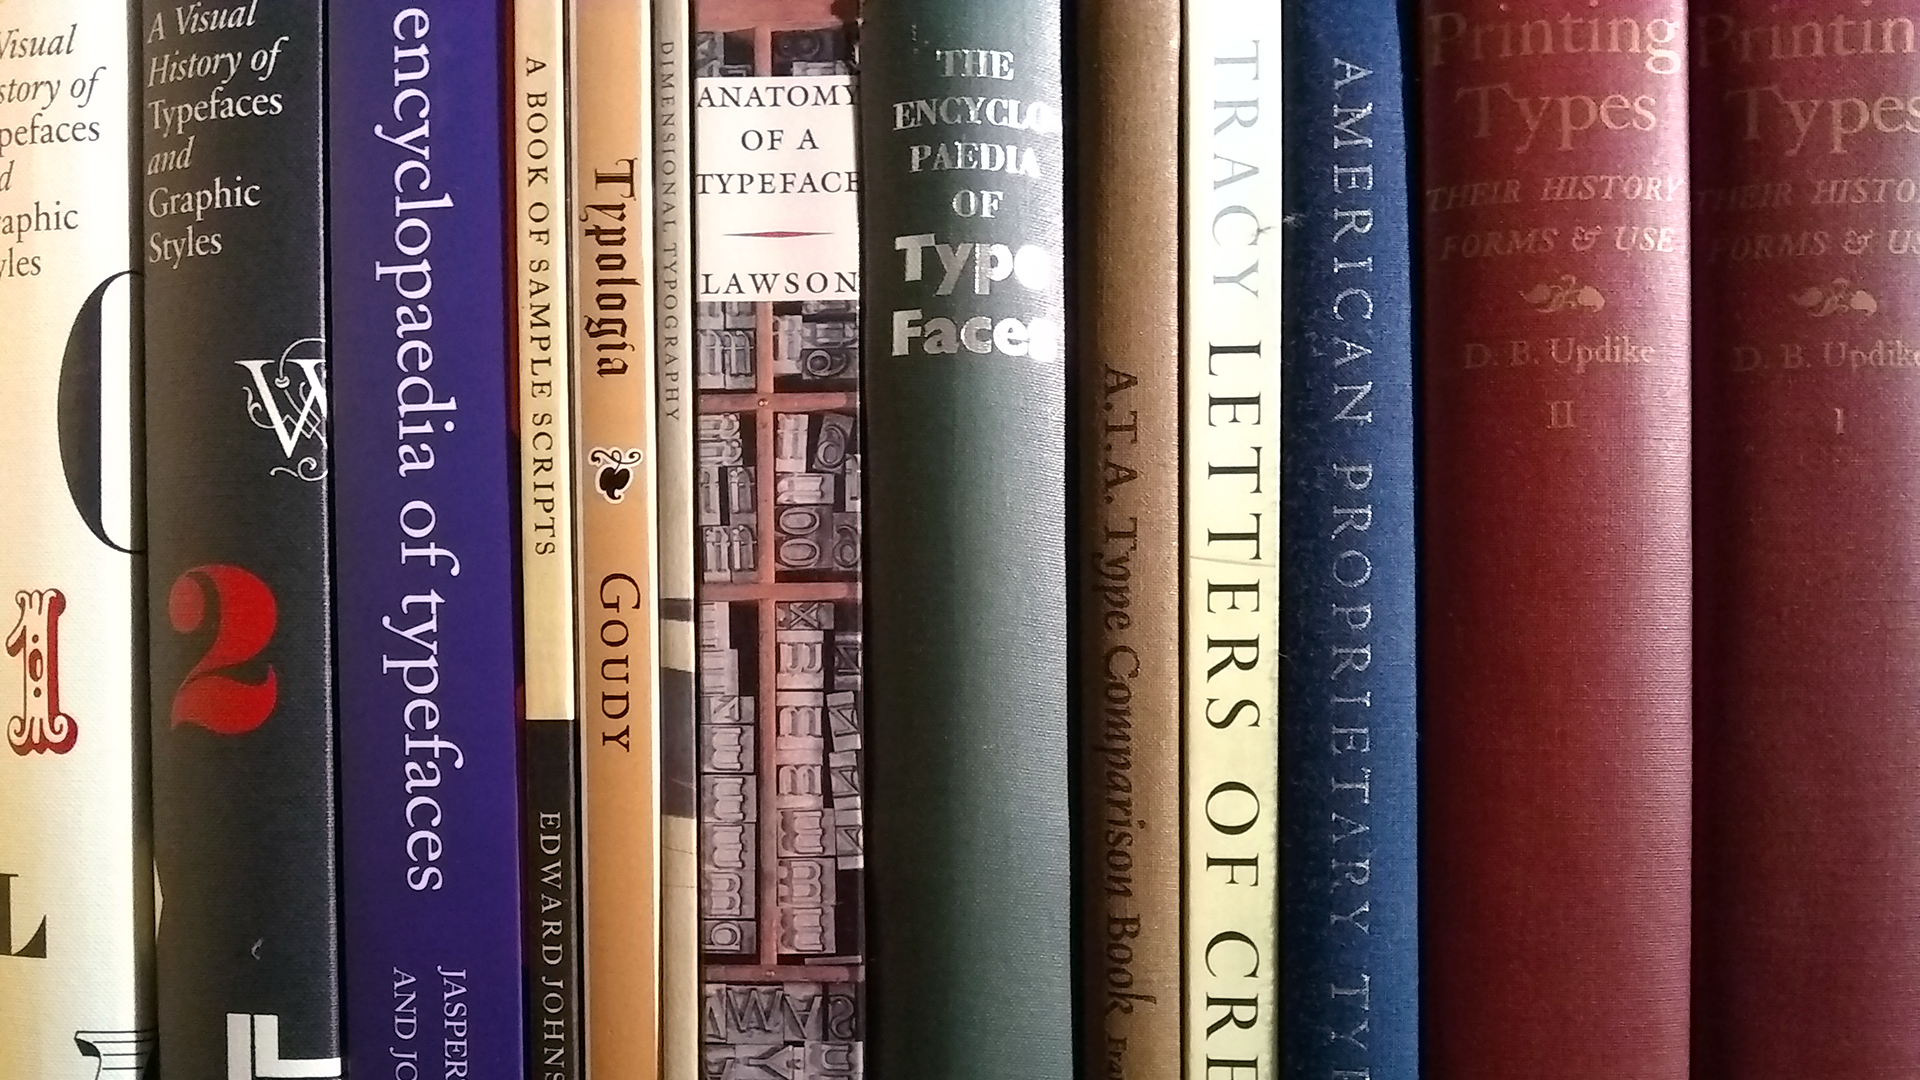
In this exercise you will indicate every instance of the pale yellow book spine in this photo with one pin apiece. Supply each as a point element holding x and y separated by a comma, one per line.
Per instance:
<point>76,864</point>
<point>673,341</point>
<point>1232,516</point>
<point>545,324</point>
<point>615,385</point>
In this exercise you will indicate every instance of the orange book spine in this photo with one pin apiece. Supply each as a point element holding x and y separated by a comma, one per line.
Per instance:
<point>614,382</point>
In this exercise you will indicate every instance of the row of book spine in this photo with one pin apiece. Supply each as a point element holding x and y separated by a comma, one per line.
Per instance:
<point>1667,672</point>
<point>244,558</point>
<point>332,250</point>
<point>1665,751</point>
<point>308,254</point>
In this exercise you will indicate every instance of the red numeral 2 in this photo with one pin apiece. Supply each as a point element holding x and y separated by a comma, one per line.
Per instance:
<point>244,615</point>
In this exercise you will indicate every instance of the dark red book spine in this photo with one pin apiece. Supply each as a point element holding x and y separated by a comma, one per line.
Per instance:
<point>1555,765</point>
<point>1807,130</point>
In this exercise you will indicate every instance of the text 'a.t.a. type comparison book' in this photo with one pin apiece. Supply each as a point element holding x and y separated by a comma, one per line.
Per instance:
<point>1128,359</point>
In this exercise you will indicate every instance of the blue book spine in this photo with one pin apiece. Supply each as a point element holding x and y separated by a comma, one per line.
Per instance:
<point>422,482</point>
<point>1350,985</point>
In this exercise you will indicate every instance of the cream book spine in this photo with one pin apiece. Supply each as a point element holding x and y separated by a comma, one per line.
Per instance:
<point>1232,524</point>
<point>76,862</point>
<point>550,746</point>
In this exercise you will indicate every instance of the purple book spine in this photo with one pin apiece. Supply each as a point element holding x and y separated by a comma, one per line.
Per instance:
<point>425,630</point>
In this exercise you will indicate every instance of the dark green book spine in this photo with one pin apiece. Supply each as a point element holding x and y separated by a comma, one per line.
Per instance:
<point>968,851</point>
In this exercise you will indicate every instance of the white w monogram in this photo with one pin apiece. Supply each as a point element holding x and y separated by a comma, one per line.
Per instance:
<point>294,410</point>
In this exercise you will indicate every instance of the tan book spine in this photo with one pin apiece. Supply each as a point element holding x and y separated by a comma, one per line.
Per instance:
<point>614,384</point>
<point>76,855</point>
<point>545,328</point>
<point>1128,323</point>
<point>1231,518</point>
<point>673,466</point>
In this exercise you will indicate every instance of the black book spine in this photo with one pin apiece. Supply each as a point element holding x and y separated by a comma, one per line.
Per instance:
<point>965,455</point>
<point>550,898</point>
<point>238,516</point>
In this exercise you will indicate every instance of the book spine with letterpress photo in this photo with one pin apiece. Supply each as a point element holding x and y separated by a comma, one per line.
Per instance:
<point>1230,503</point>
<point>239,513</point>
<point>538,179</point>
<point>76,862</point>
<point>611,84</point>
<point>1350,792</point>
<point>1127,331</point>
<point>778,505</point>
<point>1556,561</point>
<point>963,194</point>
<point>423,537</point>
